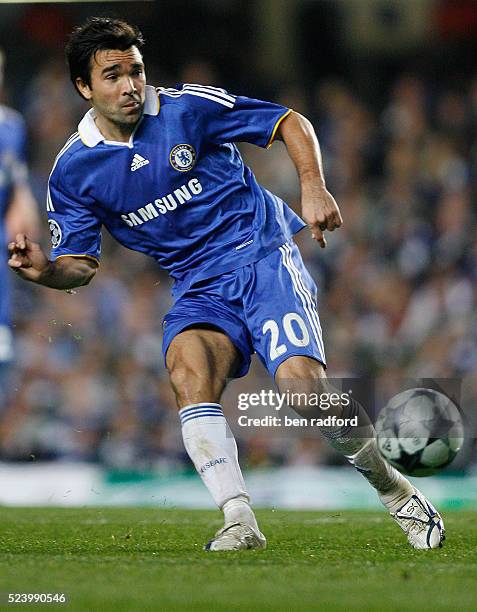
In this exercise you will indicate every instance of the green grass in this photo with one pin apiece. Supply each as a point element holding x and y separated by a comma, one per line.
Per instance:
<point>146,559</point>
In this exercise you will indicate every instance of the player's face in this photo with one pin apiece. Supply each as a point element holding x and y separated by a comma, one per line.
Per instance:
<point>118,83</point>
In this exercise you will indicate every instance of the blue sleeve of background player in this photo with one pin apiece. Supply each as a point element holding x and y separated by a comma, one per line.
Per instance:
<point>228,118</point>
<point>15,161</point>
<point>75,229</point>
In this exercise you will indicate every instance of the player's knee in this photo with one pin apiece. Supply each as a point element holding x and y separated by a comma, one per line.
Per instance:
<point>184,376</point>
<point>301,368</point>
<point>301,375</point>
<point>190,384</point>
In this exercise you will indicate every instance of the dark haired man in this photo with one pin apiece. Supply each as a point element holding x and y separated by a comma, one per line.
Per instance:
<point>18,213</point>
<point>159,168</point>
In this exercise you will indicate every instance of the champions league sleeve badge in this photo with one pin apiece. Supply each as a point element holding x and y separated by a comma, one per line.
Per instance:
<point>56,233</point>
<point>182,157</point>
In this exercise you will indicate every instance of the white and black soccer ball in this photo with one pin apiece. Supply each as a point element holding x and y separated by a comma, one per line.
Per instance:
<point>419,431</point>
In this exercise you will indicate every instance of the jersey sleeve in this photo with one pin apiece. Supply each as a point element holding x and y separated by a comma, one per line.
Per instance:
<point>19,168</point>
<point>75,230</point>
<point>14,161</point>
<point>229,118</point>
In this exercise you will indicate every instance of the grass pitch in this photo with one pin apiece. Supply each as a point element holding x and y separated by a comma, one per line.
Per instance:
<point>151,559</point>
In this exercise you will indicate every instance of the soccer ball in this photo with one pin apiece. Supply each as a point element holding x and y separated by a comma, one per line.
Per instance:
<point>419,431</point>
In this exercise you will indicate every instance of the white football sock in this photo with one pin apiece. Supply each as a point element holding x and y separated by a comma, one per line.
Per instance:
<point>238,510</point>
<point>212,448</point>
<point>392,487</point>
<point>358,445</point>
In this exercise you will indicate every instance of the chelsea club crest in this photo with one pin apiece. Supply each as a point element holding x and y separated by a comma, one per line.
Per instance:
<point>182,157</point>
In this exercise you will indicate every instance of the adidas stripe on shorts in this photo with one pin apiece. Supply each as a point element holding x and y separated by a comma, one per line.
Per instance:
<point>267,307</point>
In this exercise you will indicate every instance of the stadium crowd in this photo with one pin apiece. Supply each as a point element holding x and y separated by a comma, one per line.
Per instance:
<point>397,283</point>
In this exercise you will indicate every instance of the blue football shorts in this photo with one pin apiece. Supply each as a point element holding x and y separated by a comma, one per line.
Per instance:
<point>268,307</point>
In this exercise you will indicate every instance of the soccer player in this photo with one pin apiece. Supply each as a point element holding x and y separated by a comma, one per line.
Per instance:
<point>159,169</point>
<point>18,213</point>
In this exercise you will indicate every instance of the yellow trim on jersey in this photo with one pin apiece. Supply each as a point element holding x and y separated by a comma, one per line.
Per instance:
<point>277,125</point>
<point>96,261</point>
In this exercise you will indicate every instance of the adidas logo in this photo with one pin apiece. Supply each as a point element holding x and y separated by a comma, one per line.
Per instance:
<point>138,162</point>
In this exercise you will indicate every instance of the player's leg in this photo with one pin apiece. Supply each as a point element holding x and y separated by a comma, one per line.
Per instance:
<point>286,333</point>
<point>302,374</point>
<point>199,362</point>
<point>412,511</point>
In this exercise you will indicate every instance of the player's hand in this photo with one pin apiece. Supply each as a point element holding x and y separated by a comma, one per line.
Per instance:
<point>27,259</point>
<point>320,211</point>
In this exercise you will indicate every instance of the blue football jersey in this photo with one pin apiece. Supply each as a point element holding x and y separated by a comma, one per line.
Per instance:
<point>177,191</point>
<point>12,171</point>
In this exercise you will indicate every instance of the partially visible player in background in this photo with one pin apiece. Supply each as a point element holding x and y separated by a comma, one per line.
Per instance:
<point>18,213</point>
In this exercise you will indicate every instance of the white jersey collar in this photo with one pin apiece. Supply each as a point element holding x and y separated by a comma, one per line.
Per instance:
<point>90,134</point>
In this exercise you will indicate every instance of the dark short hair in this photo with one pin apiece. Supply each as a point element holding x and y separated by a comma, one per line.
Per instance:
<point>95,34</point>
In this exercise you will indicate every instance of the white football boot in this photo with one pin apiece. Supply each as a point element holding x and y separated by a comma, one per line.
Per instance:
<point>236,536</point>
<point>421,522</point>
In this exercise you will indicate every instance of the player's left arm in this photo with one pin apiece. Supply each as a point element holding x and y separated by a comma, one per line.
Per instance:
<point>319,208</point>
<point>22,214</point>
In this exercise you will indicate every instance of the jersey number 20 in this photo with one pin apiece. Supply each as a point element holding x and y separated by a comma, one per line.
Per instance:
<point>302,338</point>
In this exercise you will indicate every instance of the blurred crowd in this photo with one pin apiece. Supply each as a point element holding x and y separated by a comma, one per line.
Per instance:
<point>397,283</point>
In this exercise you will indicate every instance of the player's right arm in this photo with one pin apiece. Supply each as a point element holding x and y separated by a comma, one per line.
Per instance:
<point>29,261</point>
<point>75,230</point>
